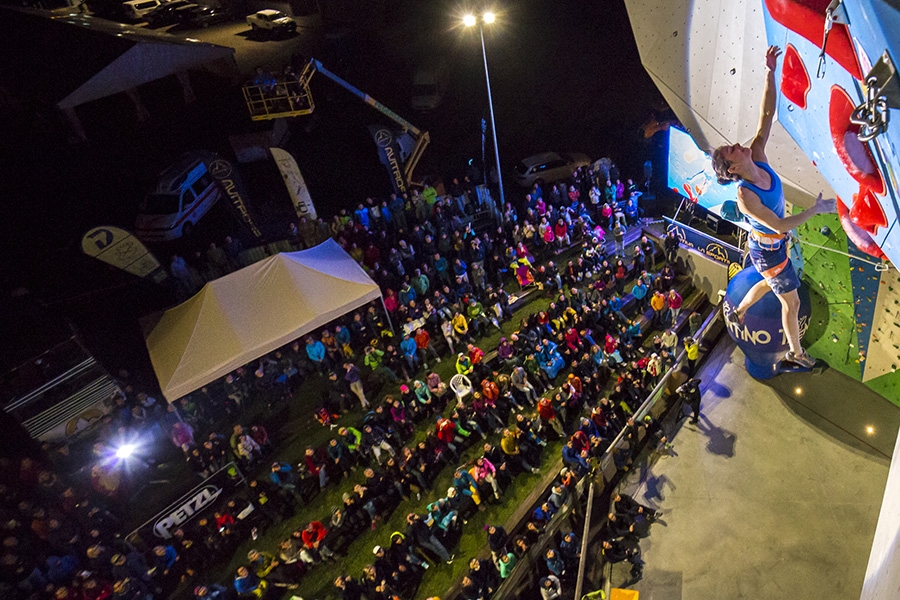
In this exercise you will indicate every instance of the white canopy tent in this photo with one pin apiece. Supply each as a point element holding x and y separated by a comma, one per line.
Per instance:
<point>242,316</point>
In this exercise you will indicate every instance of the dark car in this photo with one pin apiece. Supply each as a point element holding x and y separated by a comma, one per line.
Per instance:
<point>204,16</point>
<point>168,13</point>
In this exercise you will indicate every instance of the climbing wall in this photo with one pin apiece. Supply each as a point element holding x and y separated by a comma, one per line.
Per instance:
<point>706,57</point>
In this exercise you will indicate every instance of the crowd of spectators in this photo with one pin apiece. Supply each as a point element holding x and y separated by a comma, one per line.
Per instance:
<point>575,371</point>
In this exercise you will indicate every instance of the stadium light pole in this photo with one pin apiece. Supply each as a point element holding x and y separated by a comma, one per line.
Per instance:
<point>470,21</point>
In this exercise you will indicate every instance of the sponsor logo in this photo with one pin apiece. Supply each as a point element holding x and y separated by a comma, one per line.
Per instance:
<point>383,138</point>
<point>760,337</point>
<point>717,252</point>
<point>220,169</point>
<point>705,245</point>
<point>186,511</point>
<point>394,165</point>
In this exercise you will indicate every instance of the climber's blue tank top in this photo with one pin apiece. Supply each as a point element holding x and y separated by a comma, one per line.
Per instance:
<point>772,198</point>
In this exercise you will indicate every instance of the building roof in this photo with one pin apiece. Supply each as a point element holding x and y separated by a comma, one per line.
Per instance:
<point>72,59</point>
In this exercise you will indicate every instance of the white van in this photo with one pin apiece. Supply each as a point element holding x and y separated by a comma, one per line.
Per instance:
<point>185,193</point>
<point>136,9</point>
<point>429,86</point>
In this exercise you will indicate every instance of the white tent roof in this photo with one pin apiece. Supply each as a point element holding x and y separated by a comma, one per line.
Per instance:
<point>242,316</point>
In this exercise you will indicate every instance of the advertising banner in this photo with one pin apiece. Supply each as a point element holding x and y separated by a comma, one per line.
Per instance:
<point>119,248</point>
<point>296,185</point>
<point>229,179</point>
<point>191,505</point>
<point>391,155</point>
<point>705,244</point>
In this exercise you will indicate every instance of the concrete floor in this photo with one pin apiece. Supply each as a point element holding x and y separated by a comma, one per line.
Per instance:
<point>765,498</point>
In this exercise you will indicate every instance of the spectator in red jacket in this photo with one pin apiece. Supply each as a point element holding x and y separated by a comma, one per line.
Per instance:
<point>561,232</point>
<point>447,435</point>
<point>675,303</point>
<point>314,538</point>
<point>423,345</point>
<point>316,464</point>
<point>548,416</point>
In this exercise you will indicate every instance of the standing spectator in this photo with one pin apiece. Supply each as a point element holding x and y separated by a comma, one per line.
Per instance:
<point>551,589</point>
<point>354,380</point>
<point>690,391</point>
<point>315,350</point>
<point>640,292</point>
<point>670,244</point>
<point>658,304</point>
<point>675,302</point>
<point>693,354</point>
<point>619,237</point>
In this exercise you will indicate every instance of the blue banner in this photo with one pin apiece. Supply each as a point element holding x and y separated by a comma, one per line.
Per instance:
<point>705,244</point>
<point>390,153</point>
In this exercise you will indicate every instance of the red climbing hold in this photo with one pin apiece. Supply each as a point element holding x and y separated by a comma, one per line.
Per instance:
<point>807,18</point>
<point>794,77</point>
<point>854,155</point>
<point>867,211</point>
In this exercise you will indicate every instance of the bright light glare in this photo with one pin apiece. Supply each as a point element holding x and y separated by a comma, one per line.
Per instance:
<point>870,430</point>
<point>489,17</point>
<point>125,451</point>
<point>798,391</point>
<point>469,20</point>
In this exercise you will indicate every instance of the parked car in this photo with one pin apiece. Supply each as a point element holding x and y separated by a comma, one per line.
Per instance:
<point>135,10</point>
<point>204,16</point>
<point>185,193</point>
<point>548,166</point>
<point>271,21</point>
<point>168,13</point>
<point>429,86</point>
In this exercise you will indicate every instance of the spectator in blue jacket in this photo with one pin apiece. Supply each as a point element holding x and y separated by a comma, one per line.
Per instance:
<point>441,268</point>
<point>555,564</point>
<point>406,294</point>
<point>362,215</point>
<point>639,291</point>
<point>410,353</point>
<point>315,350</point>
<point>282,475</point>
<point>574,459</point>
<point>570,550</point>
<point>248,584</point>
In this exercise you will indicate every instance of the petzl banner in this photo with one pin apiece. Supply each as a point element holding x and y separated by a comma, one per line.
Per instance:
<point>391,155</point>
<point>296,186</point>
<point>224,481</point>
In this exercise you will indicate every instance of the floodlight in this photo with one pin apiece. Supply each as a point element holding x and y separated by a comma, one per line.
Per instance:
<point>125,451</point>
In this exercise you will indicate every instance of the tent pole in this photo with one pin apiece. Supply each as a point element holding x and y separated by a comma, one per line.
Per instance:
<point>387,315</point>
